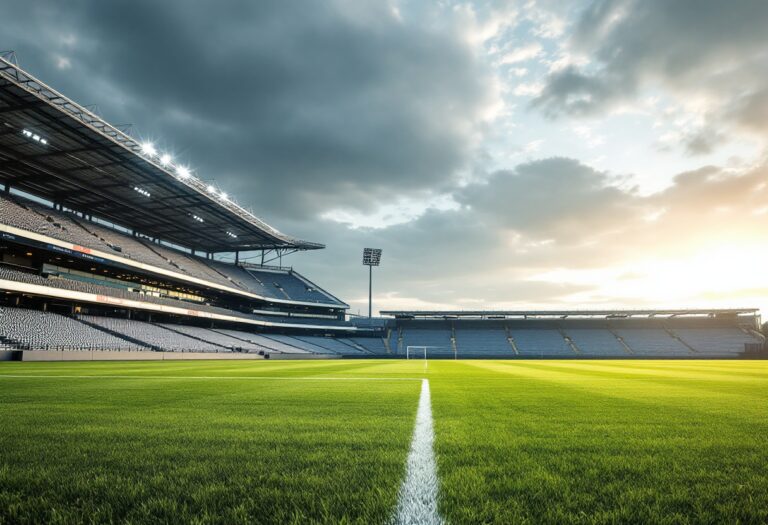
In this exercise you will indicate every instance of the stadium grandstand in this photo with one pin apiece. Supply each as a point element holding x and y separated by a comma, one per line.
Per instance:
<point>727,333</point>
<point>108,245</point>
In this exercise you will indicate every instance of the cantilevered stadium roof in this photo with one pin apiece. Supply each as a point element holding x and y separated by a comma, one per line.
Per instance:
<point>54,148</point>
<point>562,314</point>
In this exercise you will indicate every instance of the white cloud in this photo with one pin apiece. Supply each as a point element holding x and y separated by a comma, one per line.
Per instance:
<point>533,146</point>
<point>522,54</point>
<point>531,89</point>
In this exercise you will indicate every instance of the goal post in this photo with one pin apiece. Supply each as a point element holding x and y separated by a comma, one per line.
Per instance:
<point>418,352</point>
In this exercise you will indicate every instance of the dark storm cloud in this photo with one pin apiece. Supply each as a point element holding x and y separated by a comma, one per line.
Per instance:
<point>692,47</point>
<point>544,197</point>
<point>290,105</point>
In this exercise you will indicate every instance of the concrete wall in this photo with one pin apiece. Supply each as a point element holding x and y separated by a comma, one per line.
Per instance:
<point>299,357</point>
<point>98,355</point>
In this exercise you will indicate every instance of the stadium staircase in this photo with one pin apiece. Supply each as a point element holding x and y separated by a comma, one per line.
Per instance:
<point>570,342</point>
<point>279,287</point>
<point>386,341</point>
<point>297,347</point>
<point>356,346</point>
<point>511,340</point>
<point>754,333</point>
<point>309,345</point>
<point>622,342</point>
<point>119,335</point>
<point>680,340</point>
<point>86,230</point>
<point>192,337</point>
<point>169,261</point>
<point>246,341</point>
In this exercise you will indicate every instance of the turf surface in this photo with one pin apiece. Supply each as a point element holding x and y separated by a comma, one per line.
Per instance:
<point>326,442</point>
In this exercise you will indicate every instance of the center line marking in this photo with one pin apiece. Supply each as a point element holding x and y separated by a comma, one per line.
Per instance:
<point>417,501</point>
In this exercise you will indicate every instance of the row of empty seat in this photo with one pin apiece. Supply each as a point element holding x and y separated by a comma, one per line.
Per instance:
<point>276,284</point>
<point>29,329</point>
<point>34,329</point>
<point>37,330</point>
<point>17,275</point>
<point>572,342</point>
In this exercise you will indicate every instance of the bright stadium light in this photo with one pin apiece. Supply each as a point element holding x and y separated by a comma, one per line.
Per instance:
<point>211,188</point>
<point>35,137</point>
<point>371,258</point>
<point>183,172</point>
<point>165,159</point>
<point>147,148</point>
<point>223,196</point>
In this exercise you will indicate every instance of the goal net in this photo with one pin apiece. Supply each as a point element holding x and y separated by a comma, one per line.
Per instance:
<point>419,352</point>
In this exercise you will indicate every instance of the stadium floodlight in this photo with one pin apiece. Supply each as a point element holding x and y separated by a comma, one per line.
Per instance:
<point>371,258</point>
<point>35,137</point>
<point>147,148</point>
<point>223,196</point>
<point>211,188</point>
<point>165,160</point>
<point>183,172</point>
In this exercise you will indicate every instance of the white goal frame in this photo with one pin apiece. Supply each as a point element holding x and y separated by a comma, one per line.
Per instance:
<point>411,348</point>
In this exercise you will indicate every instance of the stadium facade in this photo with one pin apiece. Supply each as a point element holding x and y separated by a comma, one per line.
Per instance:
<point>110,248</point>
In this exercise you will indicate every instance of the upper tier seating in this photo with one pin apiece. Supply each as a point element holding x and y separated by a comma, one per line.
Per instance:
<point>374,345</point>
<point>97,289</point>
<point>652,342</point>
<point>437,341</point>
<point>45,330</point>
<point>12,274</point>
<point>596,342</point>
<point>29,215</point>
<point>485,342</point>
<point>278,284</point>
<point>335,345</point>
<point>718,341</point>
<point>542,343</point>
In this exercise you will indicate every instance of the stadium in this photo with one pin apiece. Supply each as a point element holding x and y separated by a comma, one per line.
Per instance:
<point>114,255</point>
<point>108,246</point>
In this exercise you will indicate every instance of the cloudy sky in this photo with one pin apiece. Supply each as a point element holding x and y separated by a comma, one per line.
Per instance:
<point>540,153</point>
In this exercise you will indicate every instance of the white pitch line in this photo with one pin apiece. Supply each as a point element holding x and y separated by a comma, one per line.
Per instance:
<point>286,378</point>
<point>417,502</point>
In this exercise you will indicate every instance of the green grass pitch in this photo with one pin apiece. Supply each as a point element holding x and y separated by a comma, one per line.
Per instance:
<point>326,442</point>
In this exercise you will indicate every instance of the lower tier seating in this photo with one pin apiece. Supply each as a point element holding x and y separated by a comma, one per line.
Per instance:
<point>153,335</point>
<point>37,330</point>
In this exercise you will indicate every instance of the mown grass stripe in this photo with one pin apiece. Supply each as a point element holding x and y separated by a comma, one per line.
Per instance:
<point>276,378</point>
